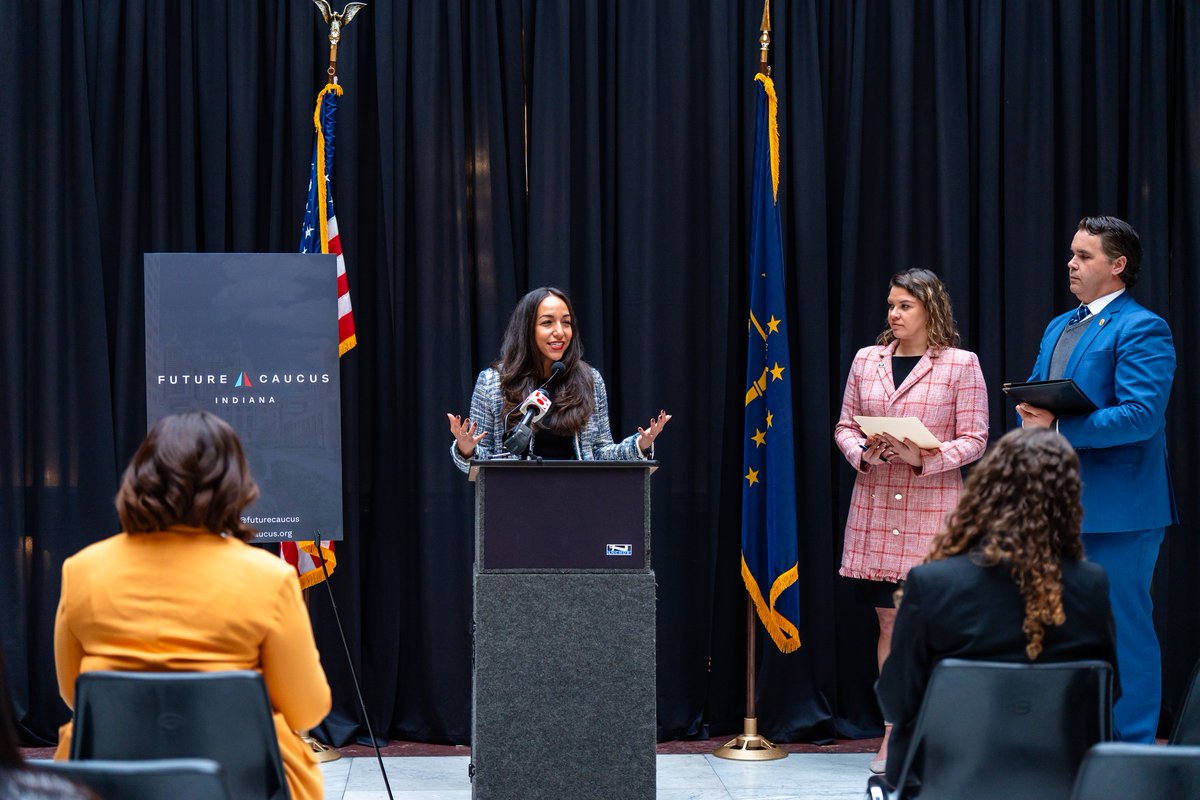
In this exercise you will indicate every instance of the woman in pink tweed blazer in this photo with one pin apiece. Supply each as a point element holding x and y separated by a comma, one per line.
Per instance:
<point>902,494</point>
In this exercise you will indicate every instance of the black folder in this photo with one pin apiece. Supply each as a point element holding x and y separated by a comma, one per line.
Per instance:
<point>1059,397</point>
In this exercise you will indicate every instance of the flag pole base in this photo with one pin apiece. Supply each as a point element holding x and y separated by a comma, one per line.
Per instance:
<point>322,752</point>
<point>749,746</point>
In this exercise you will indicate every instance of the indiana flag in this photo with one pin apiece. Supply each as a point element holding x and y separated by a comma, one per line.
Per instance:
<point>319,234</point>
<point>770,565</point>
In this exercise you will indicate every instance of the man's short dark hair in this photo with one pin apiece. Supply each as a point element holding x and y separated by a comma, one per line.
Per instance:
<point>1118,238</point>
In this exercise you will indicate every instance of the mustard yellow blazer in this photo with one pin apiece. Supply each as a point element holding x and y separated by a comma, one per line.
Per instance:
<point>187,599</point>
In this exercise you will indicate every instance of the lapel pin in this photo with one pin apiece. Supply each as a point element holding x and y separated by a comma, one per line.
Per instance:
<point>1102,321</point>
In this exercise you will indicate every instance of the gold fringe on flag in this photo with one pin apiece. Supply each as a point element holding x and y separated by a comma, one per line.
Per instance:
<point>315,576</point>
<point>783,632</point>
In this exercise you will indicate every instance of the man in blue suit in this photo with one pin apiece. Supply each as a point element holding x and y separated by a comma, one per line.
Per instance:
<point>1121,355</point>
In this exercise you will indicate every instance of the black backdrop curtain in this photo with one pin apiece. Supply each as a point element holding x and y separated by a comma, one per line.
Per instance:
<point>603,146</point>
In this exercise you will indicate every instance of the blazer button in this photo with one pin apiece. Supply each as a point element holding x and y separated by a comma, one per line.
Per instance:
<point>899,496</point>
<point>895,531</point>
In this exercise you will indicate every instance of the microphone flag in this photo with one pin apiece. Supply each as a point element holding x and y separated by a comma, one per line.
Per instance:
<point>770,566</point>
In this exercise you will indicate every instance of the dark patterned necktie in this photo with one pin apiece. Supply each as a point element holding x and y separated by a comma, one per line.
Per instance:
<point>1081,313</point>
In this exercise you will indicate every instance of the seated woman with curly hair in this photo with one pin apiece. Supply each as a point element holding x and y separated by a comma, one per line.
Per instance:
<point>1005,580</point>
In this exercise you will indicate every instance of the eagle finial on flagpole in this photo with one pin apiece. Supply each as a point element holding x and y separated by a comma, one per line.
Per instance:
<point>336,21</point>
<point>764,41</point>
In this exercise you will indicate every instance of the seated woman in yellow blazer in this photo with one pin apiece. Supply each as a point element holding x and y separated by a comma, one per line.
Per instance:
<point>181,590</point>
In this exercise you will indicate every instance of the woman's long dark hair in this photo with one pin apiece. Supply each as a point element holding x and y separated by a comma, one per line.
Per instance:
<point>1020,507</point>
<point>522,369</point>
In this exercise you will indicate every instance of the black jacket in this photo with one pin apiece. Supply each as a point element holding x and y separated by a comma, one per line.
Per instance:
<point>956,609</point>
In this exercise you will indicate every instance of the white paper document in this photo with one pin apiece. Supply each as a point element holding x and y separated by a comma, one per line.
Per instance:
<point>902,428</point>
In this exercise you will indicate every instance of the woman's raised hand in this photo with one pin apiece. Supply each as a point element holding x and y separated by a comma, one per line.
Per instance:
<point>464,435</point>
<point>648,435</point>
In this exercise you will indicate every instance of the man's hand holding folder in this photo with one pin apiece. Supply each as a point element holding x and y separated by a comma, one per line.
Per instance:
<point>1054,398</point>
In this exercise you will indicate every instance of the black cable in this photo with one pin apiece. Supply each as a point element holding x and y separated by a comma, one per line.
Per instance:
<point>350,663</point>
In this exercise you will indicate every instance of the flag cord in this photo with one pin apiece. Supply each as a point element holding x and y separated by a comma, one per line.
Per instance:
<point>322,196</point>
<point>350,663</point>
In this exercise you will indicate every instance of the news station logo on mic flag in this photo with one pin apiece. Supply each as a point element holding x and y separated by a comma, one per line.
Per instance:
<point>319,234</point>
<point>770,566</point>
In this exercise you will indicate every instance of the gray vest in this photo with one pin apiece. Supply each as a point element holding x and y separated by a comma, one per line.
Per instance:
<point>1066,345</point>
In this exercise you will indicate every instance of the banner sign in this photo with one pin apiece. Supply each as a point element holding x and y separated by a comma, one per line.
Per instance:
<point>253,339</point>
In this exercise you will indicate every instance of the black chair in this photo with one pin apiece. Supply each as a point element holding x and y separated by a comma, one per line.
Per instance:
<point>224,716</point>
<point>160,779</point>
<point>1005,731</point>
<point>1117,771</point>
<point>1187,724</point>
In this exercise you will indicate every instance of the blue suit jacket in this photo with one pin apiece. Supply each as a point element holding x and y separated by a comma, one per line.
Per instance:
<point>1125,362</point>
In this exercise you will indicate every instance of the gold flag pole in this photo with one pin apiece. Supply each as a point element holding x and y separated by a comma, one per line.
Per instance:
<point>764,40</point>
<point>749,746</point>
<point>336,21</point>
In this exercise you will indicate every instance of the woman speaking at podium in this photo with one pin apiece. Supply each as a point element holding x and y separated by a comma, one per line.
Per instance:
<point>541,352</point>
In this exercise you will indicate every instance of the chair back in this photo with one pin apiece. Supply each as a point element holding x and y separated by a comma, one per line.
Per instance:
<point>1187,723</point>
<point>1118,771</point>
<point>158,779</point>
<point>1007,731</point>
<point>224,716</point>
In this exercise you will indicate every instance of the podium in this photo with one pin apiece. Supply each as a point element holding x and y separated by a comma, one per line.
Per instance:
<point>563,680</point>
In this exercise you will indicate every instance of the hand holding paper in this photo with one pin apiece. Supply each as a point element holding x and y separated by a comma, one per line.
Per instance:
<point>906,438</point>
<point>900,428</point>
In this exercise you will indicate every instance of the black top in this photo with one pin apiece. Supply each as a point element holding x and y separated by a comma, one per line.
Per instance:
<point>954,608</point>
<point>548,444</point>
<point>901,366</point>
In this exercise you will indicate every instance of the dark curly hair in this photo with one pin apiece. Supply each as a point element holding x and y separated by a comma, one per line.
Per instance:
<point>1020,507</point>
<point>928,288</point>
<point>189,470</point>
<point>1117,238</point>
<point>522,368</point>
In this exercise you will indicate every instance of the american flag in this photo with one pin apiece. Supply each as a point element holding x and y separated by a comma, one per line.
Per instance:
<point>319,234</point>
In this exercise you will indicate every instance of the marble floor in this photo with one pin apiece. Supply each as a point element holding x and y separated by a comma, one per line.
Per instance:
<point>800,776</point>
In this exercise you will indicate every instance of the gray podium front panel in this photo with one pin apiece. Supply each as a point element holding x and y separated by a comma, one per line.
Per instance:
<point>564,692</point>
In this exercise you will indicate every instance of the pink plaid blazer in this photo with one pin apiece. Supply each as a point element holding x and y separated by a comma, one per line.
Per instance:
<point>895,509</point>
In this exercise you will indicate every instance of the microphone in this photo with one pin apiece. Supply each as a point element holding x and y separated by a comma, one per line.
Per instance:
<point>533,408</point>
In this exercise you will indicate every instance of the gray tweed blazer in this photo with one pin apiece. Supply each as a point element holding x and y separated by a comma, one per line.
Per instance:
<point>593,443</point>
